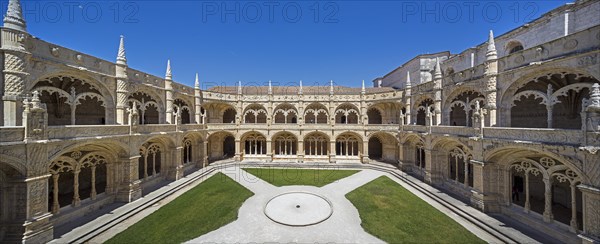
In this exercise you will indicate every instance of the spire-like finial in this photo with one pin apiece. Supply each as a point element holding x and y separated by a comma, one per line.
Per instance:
<point>121,59</point>
<point>270,88</point>
<point>363,90</point>
<point>240,87</point>
<point>437,70</point>
<point>169,74</point>
<point>491,48</point>
<point>408,84</point>
<point>197,82</point>
<point>14,16</point>
<point>331,87</point>
<point>300,90</point>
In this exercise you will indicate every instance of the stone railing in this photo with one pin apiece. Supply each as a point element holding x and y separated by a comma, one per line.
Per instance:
<point>76,131</point>
<point>381,127</point>
<point>12,134</point>
<point>415,128</point>
<point>189,127</point>
<point>551,136</point>
<point>454,130</point>
<point>147,129</point>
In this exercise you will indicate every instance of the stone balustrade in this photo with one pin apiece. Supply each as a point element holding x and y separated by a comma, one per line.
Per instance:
<point>550,136</point>
<point>77,131</point>
<point>148,129</point>
<point>454,130</point>
<point>12,134</point>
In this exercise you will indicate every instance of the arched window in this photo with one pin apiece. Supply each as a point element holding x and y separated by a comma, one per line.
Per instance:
<point>514,46</point>
<point>347,145</point>
<point>285,144</point>
<point>187,151</point>
<point>315,144</point>
<point>374,116</point>
<point>149,162</point>
<point>75,176</point>
<point>72,101</point>
<point>346,114</point>
<point>255,144</point>
<point>551,100</point>
<point>315,114</point>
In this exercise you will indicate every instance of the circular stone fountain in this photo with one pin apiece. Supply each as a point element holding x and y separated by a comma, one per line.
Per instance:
<point>298,209</point>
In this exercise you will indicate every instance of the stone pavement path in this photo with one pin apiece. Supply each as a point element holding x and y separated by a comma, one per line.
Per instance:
<point>253,226</point>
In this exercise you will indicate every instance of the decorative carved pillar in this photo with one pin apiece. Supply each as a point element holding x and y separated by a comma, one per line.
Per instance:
<point>197,101</point>
<point>365,152</point>
<point>238,153</point>
<point>573,222</point>
<point>15,72</point>
<point>129,187</point>
<point>437,97</point>
<point>270,150</point>
<point>93,192</point>
<point>490,80</point>
<point>527,196</point>
<point>122,84</point>
<point>169,94</point>
<point>429,178</point>
<point>332,151</point>
<point>549,105</point>
<point>408,95</point>
<point>38,228</point>
<point>300,151</point>
<point>591,213</point>
<point>176,169</point>
<point>548,216</point>
<point>205,155</point>
<point>76,201</point>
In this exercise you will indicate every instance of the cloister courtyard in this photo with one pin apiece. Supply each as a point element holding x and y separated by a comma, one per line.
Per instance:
<point>264,202</point>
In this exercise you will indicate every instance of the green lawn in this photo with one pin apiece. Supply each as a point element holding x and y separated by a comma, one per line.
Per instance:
<point>204,208</point>
<point>393,214</point>
<point>309,177</point>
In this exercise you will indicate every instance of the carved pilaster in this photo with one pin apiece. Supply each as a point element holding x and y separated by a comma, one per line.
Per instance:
<point>15,74</point>
<point>591,213</point>
<point>129,187</point>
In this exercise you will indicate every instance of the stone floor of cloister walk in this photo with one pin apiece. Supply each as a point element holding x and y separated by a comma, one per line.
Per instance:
<point>252,225</point>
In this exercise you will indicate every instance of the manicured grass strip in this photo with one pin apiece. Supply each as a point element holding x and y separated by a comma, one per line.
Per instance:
<point>204,208</point>
<point>393,214</point>
<point>309,177</point>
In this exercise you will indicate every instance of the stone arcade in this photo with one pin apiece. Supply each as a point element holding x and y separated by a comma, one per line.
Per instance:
<point>510,126</point>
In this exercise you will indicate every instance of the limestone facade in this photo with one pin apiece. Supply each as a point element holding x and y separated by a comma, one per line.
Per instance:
<point>514,131</point>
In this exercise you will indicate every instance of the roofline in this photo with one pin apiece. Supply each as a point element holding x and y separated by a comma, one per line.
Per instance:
<point>418,56</point>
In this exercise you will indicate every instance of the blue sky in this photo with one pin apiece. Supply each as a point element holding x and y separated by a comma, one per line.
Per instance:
<point>228,41</point>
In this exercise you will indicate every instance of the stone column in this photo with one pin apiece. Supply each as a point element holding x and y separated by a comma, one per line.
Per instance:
<point>176,169</point>
<point>270,150</point>
<point>129,187</point>
<point>332,151</point>
<point>548,216</point>
<point>365,153</point>
<point>429,178</point>
<point>300,151</point>
<point>205,155</point>
<point>238,150</point>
